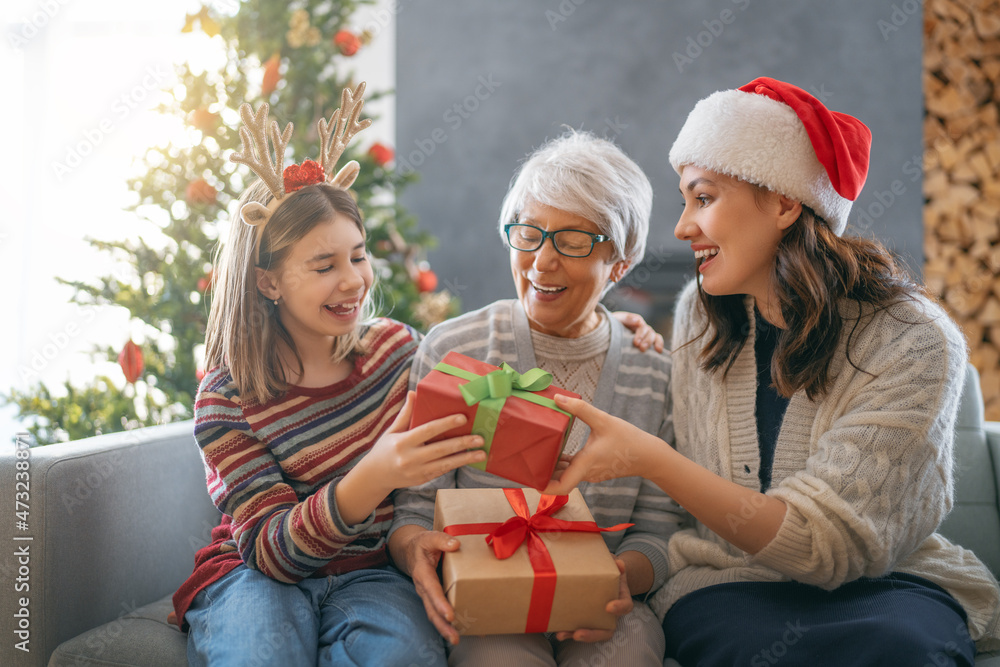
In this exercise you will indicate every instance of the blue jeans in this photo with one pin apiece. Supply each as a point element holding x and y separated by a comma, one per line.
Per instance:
<point>898,619</point>
<point>365,617</point>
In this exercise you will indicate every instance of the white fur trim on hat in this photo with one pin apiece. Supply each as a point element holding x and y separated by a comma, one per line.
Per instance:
<point>762,141</point>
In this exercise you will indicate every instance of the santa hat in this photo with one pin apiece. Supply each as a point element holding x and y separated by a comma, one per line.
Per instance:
<point>777,135</point>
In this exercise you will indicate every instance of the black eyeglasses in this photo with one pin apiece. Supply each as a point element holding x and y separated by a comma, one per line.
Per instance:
<point>568,242</point>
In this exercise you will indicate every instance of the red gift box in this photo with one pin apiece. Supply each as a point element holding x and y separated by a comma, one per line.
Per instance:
<point>524,431</point>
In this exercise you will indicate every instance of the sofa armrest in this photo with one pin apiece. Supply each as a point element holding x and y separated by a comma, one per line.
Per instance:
<point>113,524</point>
<point>992,430</point>
<point>974,521</point>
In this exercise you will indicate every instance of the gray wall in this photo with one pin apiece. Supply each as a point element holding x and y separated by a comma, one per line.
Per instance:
<point>482,83</point>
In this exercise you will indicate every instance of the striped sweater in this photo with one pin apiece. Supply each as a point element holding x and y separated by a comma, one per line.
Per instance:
<point>633,385</point>
<point>272,467</point>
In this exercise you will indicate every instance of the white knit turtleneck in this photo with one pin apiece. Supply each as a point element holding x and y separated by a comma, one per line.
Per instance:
<point>575,364</point>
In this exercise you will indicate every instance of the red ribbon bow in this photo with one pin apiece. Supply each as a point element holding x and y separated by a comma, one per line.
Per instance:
<point>507,537</point>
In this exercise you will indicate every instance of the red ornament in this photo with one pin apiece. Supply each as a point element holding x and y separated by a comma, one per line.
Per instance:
<point>299,176</point>
<point>347,42</point>
<point>381,154</point>
<point>206,281</point>
<point>200,192</point>
<point>271,75</point>
<point>427,281</point>
<point>204,120</point>
<point>130,359</point>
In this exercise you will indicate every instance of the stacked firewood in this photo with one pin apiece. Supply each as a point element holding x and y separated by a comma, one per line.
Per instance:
<point>962,175</point>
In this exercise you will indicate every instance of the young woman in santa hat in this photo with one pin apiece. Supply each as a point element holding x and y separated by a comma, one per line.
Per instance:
<point>815,389</point>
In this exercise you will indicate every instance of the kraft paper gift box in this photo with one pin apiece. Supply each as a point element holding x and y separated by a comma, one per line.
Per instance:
<point>551,581</point>
<point>524,430</point>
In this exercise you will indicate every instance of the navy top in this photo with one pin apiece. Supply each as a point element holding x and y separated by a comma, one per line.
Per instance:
<point>770,404</point>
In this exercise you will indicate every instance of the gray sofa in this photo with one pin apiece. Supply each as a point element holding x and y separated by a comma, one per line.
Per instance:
<point>115,521</point>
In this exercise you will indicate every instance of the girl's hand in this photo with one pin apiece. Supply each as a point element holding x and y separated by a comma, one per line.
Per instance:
<point>403,458</point>
<point>614,449</point>
<point>645,335</point>
<point>620,607</point>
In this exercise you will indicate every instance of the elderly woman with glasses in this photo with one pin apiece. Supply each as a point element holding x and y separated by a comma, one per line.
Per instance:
<point>575,220</point>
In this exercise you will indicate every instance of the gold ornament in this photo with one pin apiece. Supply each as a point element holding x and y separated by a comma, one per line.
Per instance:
<point>432,308</point>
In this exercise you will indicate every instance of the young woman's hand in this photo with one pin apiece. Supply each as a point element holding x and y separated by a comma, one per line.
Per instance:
<point>561,465</point>
<point>645,335</point>
<point>620,607</point>
<point>402,458</point>
<point>614,449</point>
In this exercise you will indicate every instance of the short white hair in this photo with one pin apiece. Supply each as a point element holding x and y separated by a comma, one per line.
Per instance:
<point>591,177</point>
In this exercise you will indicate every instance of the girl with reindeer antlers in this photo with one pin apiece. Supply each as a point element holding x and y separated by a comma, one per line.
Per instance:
<point>302,427</point>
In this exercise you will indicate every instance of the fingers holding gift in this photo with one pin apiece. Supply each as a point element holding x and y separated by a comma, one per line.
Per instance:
<point>435,459</point>
<point>620,607</point>
<point>615,448</point>
<point>561,465</point>
<point>425,551</point>
<point>623,605</point>
<point>405,413</point>
<point>407,460</point>
<point>439,612</point>
<point>570,473</point>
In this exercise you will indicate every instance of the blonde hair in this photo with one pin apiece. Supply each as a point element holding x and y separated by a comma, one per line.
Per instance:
<point>244,328</point>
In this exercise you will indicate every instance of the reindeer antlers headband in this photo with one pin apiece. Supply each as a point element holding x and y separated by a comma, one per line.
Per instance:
<point>256,154</point>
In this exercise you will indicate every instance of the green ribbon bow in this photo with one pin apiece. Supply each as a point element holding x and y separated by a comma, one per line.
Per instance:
<point>492,390</point>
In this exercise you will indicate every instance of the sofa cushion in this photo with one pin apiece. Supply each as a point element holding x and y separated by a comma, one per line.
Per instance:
<point>142,638</point>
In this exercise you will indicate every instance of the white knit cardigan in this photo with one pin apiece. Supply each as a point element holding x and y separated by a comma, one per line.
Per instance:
<point>865,471</point>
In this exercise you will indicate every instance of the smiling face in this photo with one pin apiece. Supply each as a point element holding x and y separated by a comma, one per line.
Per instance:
<point>733,232</point>
<point>560,293</point>
<point>322,283</point>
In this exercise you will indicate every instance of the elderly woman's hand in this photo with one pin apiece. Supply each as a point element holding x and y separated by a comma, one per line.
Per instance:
<point>645,335</point>
<point>417,552</point>
<point>620,607</point>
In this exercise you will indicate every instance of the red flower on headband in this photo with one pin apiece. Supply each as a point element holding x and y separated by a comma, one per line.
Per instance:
<point>299,176</point>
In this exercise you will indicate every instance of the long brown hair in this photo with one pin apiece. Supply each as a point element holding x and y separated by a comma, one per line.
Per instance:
<point>813,272</point>
<point>244,329</point>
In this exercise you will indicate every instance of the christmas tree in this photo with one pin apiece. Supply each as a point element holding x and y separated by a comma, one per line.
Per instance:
<point>296,57</point>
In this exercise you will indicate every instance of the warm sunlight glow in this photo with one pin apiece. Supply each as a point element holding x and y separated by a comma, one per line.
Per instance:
<point>82,81</point>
